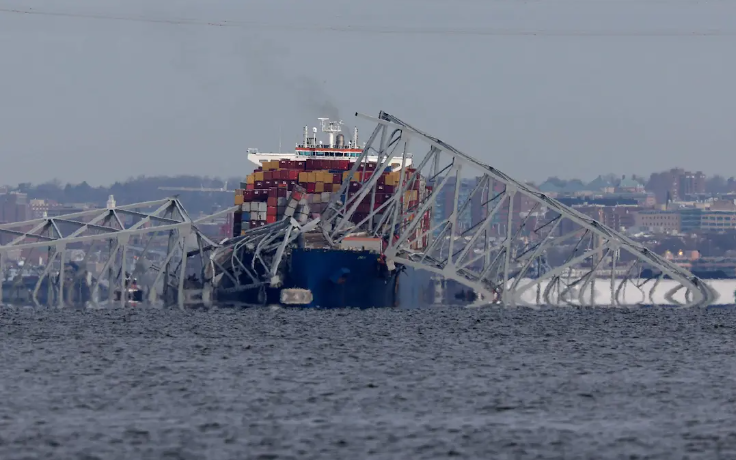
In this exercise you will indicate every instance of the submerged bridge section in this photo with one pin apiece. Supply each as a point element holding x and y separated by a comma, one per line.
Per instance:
<point>451,215</point>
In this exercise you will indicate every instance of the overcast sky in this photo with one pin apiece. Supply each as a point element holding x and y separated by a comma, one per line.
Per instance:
<point>110,89</point>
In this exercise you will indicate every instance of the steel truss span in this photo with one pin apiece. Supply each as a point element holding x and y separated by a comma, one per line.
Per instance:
<point>139,245</point>
<point>451,215</point>
<point>502,238</point>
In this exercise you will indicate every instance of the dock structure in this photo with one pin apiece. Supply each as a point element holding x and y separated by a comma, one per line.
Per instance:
<point>506,242</point>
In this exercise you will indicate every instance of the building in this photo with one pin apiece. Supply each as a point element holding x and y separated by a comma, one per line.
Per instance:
<point>676,184</point>
<point>629,185</point>
<point>659,221</point>
<point>39,208</point>
<point>691,184</point>
<point>14,207</point>
<point>690,219</point>
<point>717,221</point>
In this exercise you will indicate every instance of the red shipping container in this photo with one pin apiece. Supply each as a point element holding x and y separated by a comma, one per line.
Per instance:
<point>281,192</point>
<point>272,201</point>
<point>310,164</point>
<point>250,186</point>
<point>310,187</point>
<point>257,195</point>
<point>371,166</point>
<point>301,165</point>
<point>292,175</point>
<point>260,184</point>
<point>248,195</point>
<point>268,175</point>
<point>297,196</point>
<point>270,219</point>
<point>385,188</point>
<point>272,192</point>
<point>283,164</point>
<point>272,210</point>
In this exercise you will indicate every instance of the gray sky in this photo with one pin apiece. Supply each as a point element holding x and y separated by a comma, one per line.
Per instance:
<point>536,88</point>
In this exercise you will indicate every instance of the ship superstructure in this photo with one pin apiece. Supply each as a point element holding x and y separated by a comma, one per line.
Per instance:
<point>335,147</point>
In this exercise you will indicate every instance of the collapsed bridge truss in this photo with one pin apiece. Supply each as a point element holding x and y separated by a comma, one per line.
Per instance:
<point>139,245</point>
<point>502,238</point>
<point>451,215</point>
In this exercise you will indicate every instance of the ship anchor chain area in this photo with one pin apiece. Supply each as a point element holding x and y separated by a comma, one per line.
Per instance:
<point>403,219</point>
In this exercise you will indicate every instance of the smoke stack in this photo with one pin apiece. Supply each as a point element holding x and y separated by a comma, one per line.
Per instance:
<point>355,137</point>
<point>306,135</point>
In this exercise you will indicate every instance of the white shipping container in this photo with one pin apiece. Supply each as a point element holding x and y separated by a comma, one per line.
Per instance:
<point>262,215</point>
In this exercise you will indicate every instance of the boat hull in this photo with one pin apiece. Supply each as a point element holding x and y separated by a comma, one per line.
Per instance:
<point>343,278</point>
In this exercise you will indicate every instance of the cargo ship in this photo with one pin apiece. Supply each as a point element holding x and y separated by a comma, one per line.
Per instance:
<point>300,185</point>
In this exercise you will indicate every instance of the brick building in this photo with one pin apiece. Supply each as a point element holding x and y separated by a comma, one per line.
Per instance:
<point>676,184</point>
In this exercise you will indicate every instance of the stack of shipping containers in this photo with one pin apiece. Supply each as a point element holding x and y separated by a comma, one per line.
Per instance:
<point>268,193</point>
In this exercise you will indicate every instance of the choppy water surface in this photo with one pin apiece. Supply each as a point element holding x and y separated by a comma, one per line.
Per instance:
<point>430,383</point>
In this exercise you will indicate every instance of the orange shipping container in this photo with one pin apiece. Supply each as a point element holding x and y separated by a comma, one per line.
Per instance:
<point>319,187</point>
<point>258,176</point>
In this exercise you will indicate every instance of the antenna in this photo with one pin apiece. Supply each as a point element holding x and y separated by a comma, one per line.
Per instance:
<point>279,138</point>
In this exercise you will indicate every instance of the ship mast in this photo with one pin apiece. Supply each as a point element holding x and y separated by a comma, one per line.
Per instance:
<point>331,128</point>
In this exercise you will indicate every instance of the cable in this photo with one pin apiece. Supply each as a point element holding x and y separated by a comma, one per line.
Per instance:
<point>394,30</point>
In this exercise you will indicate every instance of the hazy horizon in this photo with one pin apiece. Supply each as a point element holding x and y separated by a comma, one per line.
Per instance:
<point>101,91</point>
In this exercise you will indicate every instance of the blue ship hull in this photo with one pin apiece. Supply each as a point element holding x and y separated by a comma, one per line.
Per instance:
<point>341,278</point>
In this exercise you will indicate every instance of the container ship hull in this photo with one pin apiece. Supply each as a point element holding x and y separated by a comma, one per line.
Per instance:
<point>341,278</point>
<point>316,173</point>
<point>334,278</point>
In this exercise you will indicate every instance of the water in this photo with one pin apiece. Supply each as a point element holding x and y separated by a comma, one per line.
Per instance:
<point>432,383</point>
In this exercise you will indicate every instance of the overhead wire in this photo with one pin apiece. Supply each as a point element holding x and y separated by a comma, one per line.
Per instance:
<point>377,29</point>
